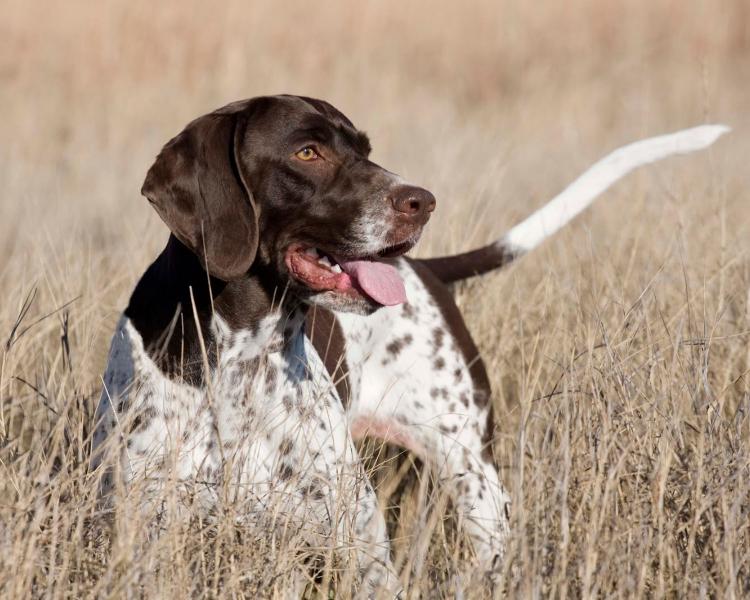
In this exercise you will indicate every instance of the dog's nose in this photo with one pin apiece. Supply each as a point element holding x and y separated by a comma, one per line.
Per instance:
<point>413,201</point>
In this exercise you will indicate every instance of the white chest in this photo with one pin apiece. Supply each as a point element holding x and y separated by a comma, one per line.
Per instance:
<point>267,410</point>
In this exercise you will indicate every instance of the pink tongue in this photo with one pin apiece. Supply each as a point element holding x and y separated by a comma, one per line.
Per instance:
<point>378,280</point>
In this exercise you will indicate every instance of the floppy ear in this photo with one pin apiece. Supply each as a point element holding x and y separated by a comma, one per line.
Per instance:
<point>198,188</point>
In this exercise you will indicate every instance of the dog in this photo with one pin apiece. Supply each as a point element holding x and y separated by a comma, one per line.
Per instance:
<point>283,321</point>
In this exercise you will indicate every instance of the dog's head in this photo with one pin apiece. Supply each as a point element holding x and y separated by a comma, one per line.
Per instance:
<point>284,183</point>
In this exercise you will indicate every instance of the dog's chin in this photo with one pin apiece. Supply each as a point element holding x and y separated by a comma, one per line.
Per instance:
<point>343,303</point>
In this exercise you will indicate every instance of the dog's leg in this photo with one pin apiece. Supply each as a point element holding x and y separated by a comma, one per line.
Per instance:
<point>337,491</point>
<point>349,503</point>
<point>451,443</point>
<point>378,577</point>
<point>297,442</point>
<point>419,382</point>
<point>344,504</point>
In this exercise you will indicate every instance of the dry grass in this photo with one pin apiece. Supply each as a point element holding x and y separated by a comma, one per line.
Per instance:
<point>618,352</point>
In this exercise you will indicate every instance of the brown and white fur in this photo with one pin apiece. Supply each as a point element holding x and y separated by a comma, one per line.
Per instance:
<point>232,369</point>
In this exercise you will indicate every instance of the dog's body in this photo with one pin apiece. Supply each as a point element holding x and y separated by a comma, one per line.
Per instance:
<point>245,377</point>
<point>407,374</point>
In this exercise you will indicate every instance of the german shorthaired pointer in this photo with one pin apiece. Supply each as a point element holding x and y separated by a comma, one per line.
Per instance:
<point>282,322</point>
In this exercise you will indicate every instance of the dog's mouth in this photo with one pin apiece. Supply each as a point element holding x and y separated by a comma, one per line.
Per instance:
<point>356,277</point>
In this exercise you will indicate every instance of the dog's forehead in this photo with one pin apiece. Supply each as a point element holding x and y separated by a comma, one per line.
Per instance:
<point>305,105</point>
<point>307,118</point>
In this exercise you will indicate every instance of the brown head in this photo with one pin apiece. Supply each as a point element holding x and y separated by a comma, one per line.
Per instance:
<point>284,185</point>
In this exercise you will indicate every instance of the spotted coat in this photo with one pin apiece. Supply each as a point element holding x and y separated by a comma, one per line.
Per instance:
<point>272,411</point>
<point>270,420</point>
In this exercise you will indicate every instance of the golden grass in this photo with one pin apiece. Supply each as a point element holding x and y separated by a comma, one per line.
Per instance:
<point>618,351</point>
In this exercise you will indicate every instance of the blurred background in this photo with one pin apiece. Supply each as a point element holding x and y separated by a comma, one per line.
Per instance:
<point>494,105</point>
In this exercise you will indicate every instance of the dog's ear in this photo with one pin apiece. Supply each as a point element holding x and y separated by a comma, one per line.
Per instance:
<point>198,187</point>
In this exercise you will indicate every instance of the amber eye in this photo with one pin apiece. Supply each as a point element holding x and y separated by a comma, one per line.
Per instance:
<point>307,153</point>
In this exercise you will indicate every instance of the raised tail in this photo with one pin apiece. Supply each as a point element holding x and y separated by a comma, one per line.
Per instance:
<point>528,234</point>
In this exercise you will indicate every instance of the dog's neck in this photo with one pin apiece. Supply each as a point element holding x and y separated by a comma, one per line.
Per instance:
<point>176,288</point>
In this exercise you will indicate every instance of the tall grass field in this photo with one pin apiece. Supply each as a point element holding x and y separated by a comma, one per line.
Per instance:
<point>618,351</point>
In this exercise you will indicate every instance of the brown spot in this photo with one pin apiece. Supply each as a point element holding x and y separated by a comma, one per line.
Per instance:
<point>394,347</point>
<point>270,380</point>
<point>235,378</point>
<point>399,344</point>
<point>439,363</point>
<point>437,337</point>
<point>313,489</point>
<point>481,398</point>
<point>286,472</point>
<point>285,447</point>
<point>407,310</point>
<point>143,419</point>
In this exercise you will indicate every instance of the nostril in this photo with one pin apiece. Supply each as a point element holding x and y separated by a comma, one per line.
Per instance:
<point>412,201</point>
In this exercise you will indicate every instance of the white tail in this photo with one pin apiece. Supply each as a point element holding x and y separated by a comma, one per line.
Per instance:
<point>583,191</point>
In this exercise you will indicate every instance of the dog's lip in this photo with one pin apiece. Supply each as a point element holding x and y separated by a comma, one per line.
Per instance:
<point>338,256</point>
<point>320,270</point>
<point>396,249</point>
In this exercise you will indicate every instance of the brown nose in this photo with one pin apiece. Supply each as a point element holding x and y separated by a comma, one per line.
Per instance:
<point>413,201</point>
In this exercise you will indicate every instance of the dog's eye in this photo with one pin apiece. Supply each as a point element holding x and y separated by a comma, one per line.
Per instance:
<point>307,153</point>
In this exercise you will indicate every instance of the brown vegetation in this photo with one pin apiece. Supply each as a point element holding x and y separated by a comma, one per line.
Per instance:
<point>618,351</point>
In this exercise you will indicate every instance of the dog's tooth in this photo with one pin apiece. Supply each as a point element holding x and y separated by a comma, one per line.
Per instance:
<point>312,252</point>
<point>336,268</point>
<point>325,261</point>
